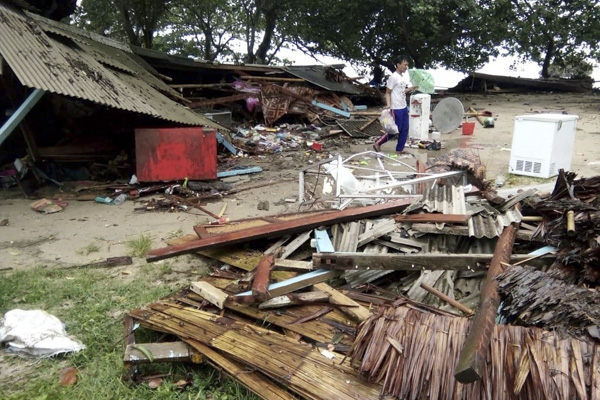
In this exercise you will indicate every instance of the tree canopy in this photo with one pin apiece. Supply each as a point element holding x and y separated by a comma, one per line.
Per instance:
<point>456,34</point>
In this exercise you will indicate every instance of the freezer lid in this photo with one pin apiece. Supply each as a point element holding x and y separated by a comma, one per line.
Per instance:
<point>547,117</point>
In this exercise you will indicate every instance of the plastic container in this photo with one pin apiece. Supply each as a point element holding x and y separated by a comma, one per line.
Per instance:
<point>104,200</point>
<point>120,199</point>
<point>468,128</point>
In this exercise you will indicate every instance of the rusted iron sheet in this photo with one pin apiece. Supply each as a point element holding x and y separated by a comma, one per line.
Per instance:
<point>278,229</point>
<point>472,362</point>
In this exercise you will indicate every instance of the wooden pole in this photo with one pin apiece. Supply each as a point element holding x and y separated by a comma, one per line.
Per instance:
<point>447,299</point>
<point>472,360</point>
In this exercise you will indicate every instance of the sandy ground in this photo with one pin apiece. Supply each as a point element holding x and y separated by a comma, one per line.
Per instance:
<point>62,239</point>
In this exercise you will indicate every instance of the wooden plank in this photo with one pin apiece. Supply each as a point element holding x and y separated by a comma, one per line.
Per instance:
<point>351,308</point>
<point>260,283</point>
<point>294,299</point>
<point>210,293</point>
<point>293,265</point>
<point>473,356</point>
<point>278,229</point>
<point>220,100</point>
<point>160,352</point>
<point>295,244</point>
<point>414,262</point>
<point>273,79</point>
<point>434,218</point>
<point>301,367</point>
<point>318,331</point>
<point>254,381</point>
<point>466,310</point>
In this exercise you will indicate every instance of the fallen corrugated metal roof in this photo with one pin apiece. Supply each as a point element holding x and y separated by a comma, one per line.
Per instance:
<point>485,220</point>
<point>58,63</point>
<point>317,75</point>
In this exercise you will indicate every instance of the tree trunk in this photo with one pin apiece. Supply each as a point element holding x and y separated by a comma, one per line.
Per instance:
<point>548,58</point>
<point>127,25</point>
<point>270,15</point>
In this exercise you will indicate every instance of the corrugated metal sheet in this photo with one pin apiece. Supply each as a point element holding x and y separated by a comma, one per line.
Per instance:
<point>485,221</point>
<point>317,75</point>
<point>60,64</point>
<point>352,127</point>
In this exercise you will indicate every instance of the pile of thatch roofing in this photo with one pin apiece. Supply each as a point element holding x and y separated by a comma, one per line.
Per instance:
<point>413,352</point>
<point>270,311</point>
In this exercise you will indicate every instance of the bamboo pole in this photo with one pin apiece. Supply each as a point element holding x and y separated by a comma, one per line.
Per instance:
<point>570,223</point>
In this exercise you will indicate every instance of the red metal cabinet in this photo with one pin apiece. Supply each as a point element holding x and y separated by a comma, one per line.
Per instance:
<point>169,154</point>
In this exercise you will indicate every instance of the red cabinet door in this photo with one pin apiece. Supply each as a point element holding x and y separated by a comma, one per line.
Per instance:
<point>169,154</point>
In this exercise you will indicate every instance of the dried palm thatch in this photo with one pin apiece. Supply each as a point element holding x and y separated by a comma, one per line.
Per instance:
<point>578,256</point>
<point>532,297</point>
<point>413,353</point>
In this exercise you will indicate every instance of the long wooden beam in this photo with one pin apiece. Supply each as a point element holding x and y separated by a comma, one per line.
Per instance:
<point>472,360</point>
<point>279,229</point>
<point>412,262</point>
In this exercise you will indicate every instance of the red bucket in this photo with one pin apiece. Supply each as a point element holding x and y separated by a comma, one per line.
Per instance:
<point>468,128</point>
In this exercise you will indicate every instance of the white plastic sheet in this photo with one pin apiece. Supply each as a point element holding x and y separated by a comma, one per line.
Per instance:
<point>36,333</point>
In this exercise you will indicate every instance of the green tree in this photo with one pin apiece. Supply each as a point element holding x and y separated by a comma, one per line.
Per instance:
<point>458,34</point>
<point>205,29</point>
<point>135,21</point>
<point>556,34</point>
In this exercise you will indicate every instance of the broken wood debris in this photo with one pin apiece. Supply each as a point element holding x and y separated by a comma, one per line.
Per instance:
<point>442,266</point>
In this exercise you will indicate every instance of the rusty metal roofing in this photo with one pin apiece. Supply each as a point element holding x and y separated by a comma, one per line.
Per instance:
<point>352,127</point>
<point>317,75</point>
<point>59,59</point>
<point>485,220</point>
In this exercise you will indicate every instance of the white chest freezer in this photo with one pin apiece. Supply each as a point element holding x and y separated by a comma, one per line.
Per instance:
<point>542,144</point>
<point>419,111</point>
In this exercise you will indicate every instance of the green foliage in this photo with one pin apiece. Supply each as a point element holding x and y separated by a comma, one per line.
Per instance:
<point>90,248</point>
<point>555,32</point>
<point>140,246</point>
<point>92,304</point>
<point>456,34</point>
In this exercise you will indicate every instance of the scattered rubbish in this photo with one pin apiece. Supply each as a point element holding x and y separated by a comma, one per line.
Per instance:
<point>48,206</point>
<point>36,333</point>
<point>103,200</point>
<point>120,199</point>
<point>488,122</point>
<point>386,119</point>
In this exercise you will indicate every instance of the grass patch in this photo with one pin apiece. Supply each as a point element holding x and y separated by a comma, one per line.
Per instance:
<point>521,180</point>
<point>140,246</point>
<point>90,248</point>
<point>92,303</point>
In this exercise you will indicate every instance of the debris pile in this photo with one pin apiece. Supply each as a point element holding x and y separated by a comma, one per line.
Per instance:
<point>406,299</point>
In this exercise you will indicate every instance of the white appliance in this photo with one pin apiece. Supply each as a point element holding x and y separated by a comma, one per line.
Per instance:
<point>418,116</point>
<point>542,144</point>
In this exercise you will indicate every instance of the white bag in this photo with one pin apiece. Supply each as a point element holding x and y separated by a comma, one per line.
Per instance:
<point>386,119</point>
<point>37,333</point>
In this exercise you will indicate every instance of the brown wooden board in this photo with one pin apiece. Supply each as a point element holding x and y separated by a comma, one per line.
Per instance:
<point>278,229</point>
